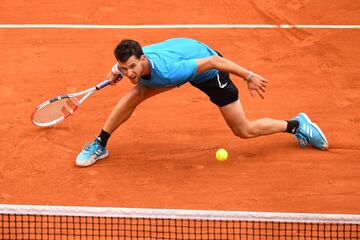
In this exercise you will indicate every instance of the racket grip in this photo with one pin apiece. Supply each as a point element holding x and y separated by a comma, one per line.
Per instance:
<point>106,82</point>
<point>102,84</point>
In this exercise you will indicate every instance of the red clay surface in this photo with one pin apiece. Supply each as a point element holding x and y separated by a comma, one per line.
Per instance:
<point>164,156</point>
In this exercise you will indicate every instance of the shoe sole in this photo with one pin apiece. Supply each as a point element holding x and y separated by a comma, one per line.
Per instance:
<point>317,128</point>
<point>92,161</point>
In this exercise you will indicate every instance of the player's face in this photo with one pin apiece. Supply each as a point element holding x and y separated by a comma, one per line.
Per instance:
<point>132,69</point>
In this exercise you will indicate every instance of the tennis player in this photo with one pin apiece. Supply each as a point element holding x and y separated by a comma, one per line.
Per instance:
<point>159,67</point>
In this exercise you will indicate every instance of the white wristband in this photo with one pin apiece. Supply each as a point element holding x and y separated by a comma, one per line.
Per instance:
<point>115,70</point>
<point>249,76</point>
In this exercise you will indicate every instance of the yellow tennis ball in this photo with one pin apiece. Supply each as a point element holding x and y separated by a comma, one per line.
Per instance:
<point>221,154</point>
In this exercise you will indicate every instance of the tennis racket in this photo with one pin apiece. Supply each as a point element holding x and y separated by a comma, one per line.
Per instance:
<point>59,108</point>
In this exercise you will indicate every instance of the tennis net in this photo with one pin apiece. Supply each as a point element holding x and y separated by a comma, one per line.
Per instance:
<point>60,222</point>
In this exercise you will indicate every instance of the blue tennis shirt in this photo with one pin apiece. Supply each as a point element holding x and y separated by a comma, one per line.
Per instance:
<point>172,62</point>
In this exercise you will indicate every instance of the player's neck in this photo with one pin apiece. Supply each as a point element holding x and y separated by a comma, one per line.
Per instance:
<point>147,70</point>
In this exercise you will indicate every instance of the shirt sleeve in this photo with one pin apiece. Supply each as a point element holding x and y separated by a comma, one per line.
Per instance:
<point>182,71</point>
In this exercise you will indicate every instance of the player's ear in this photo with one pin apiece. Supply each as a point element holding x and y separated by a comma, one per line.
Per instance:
<point>143,58</point>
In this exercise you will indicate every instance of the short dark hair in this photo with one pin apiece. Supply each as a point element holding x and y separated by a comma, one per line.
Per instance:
<point>127,48</point>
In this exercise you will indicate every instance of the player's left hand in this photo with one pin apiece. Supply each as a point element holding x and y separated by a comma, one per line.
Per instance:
<point>257,84</point>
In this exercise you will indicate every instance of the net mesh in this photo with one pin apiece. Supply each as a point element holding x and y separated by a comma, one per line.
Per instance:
<point>55,110</point>
<point>61,225</point>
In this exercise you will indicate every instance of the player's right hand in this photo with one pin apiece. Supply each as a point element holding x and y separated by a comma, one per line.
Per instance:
<point>113,78</point>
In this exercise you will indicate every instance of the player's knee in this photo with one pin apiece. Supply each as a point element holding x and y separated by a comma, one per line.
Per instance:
<point>242,132</point>
<point>246,130</point>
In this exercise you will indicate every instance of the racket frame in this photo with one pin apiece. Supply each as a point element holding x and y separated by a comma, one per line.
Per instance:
<point>87,93</point>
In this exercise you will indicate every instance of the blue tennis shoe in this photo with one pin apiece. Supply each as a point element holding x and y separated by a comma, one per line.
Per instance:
<point>309,133</point>
<point>90,153</point>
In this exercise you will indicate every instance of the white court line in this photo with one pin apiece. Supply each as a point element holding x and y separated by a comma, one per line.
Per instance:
<point>174,26</point>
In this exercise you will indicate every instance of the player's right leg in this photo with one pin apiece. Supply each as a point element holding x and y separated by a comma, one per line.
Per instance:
<point>96,150</point>
<point>90,153</point>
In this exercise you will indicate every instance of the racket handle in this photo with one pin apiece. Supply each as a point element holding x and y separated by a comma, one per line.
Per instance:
<point>105,83</point>
<point>102,84</point>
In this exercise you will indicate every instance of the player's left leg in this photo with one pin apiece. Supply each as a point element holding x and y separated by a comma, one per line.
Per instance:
<point>305,131</point>
<point>222,92</point>
<point>309,133</point>
<point>241,126</point>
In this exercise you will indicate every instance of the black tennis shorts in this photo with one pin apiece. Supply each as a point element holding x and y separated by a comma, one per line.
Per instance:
<point>220,89</point>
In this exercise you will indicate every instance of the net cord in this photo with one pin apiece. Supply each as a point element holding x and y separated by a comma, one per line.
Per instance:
<point>179,214</point>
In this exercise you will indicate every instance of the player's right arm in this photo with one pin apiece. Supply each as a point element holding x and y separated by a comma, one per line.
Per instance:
<point>113,75</point>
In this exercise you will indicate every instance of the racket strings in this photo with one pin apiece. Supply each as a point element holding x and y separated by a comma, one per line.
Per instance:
<point>55,110</point>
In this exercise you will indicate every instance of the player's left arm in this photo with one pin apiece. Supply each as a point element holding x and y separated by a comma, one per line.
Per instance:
<point>255,82</point>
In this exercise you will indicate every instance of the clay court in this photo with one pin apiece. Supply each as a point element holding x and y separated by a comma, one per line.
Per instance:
<point>164,156</point>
